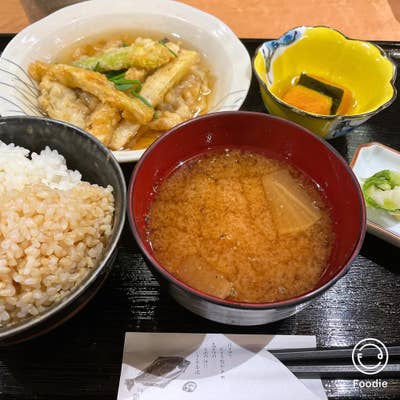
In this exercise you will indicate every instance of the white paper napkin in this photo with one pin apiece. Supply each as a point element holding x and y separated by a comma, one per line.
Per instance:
<point>172,366</point>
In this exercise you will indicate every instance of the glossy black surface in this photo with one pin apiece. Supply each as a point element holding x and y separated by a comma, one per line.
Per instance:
<point>82,358</point>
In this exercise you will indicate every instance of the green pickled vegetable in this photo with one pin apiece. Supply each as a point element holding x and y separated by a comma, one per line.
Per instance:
<point>382,190</point>
<point>136,55</point>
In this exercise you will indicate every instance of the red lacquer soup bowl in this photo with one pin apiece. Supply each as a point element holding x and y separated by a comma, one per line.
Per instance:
<point>276,138</point>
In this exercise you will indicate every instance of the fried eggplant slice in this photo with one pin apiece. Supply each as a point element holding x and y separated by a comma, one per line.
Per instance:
<point>99,86</point>
<point>158,84</point>
<point>102,122</point>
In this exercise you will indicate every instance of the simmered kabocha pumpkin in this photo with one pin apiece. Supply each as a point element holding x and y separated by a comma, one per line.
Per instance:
<point>318,96</point>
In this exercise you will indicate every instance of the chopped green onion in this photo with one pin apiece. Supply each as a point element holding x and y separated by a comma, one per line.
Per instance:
<point>138,86</point>
<point>155,115</point>
<point>96,67</point>
<point>121,83</point>
<point>123,86</point>
<point>163,42</point>
<point>115,75</point>
<point>142,99</point>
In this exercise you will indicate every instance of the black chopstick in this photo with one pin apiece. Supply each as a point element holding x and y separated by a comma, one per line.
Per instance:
<point>335,362</point>
<point>341,371</point>
<point>339,353</point>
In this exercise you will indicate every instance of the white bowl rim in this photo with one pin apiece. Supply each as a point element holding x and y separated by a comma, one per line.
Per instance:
<point>239,58</point>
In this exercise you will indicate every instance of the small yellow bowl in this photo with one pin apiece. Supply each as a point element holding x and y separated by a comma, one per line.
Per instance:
<point>361,67</point>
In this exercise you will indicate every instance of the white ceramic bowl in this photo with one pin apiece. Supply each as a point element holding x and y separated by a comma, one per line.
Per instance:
<point>228,59</point>
<point>368,159</point>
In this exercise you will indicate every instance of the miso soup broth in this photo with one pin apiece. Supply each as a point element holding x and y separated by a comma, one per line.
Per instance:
<point>241,226</point>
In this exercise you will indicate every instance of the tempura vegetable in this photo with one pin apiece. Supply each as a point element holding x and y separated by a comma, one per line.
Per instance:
<point>102,122</point>
<point>61,102</point>
<point>382,191</point>
<point>134,73</point>
<point>166,120</point>
<point>38,69</point>
<point>99,86</point>
<point>124,92</point>
<point>124,132</point>
<point>158,84</point>
<point>293,209</point>
<point>140,54</point>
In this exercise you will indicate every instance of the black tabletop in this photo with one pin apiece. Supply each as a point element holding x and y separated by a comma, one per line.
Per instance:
<point>82,358</point>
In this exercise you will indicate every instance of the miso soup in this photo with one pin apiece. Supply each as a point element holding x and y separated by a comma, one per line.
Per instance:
<point>241,226</point>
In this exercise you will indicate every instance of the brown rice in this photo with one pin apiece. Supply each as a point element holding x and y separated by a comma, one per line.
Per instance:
<point>50,239</point>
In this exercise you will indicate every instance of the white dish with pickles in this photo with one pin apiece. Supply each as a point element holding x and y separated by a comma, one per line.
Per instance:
<point>125,73</point>
<point>377,168</point>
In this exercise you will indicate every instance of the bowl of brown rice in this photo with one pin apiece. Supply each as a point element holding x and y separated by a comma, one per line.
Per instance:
<point>63,200</point>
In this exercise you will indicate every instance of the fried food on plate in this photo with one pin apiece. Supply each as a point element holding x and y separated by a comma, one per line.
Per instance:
<point>144,53</point>
<point>103,121</point>
<point>61,102</point>
<point>98,85</point>
<point>166,120</point>
<point>123,133</point>
<point>157,85</point>
<point>119,91</point>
